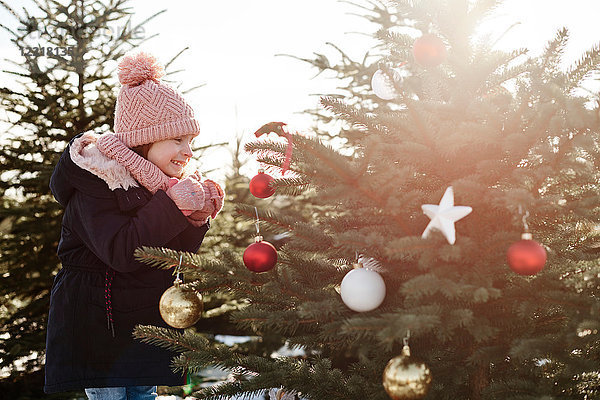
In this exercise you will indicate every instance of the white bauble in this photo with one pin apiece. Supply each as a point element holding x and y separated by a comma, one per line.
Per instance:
<point>382,85</point>
<point>362,290</point>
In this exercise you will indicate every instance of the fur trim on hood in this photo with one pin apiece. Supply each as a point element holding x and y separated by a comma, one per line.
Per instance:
<point>86,155</point>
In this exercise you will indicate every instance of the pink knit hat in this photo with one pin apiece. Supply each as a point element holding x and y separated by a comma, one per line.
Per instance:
<point>148,110</point>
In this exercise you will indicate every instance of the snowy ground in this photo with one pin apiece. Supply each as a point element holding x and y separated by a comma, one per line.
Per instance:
<point>215,375</point>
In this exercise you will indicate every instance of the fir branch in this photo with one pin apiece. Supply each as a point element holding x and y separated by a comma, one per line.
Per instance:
<point>356,117</point>
<point>168,338</point>
<point>271,152</point>
<point>317,151</point>
<point>313,378</point>
<point>553,52</point>
<point>165,258</point>
<point>420,121</point>
<point>482,8</point>
<point>311,237</point>
<point>395,39</point>
<point>583,66</point>
<point>162,257</point>
<point>292,186</point>
<point>506,71</point>
<point>284,223</point>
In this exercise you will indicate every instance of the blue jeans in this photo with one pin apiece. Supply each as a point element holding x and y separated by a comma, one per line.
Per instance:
<point>122,393</point>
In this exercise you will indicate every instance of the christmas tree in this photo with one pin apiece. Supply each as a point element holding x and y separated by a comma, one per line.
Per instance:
<point>452,150</point>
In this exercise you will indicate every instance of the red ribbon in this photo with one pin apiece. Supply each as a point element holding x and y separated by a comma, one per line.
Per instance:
<point>278,128</point>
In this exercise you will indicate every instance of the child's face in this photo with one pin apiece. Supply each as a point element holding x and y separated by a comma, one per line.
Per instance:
<point>171,155</point>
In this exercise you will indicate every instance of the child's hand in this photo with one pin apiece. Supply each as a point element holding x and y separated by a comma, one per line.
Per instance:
<point>188,194</point>
<point>214,196</point>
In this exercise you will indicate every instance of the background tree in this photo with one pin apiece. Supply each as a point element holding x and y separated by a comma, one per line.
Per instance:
<point>57,94</point>
<point>505,130</point>
<point>63,85</point>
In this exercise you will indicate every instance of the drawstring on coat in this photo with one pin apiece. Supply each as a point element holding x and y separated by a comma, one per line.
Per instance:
<point>108,278</point>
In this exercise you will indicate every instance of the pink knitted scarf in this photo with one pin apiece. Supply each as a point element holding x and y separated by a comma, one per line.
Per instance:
<point>144,171</point>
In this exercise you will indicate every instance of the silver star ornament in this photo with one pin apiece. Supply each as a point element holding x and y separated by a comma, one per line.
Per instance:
<point>444,215</point>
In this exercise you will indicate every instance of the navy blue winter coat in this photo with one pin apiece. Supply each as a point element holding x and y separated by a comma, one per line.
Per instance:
<point>101,229</point>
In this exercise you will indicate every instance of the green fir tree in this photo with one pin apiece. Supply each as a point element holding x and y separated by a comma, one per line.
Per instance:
<point>508,132</point>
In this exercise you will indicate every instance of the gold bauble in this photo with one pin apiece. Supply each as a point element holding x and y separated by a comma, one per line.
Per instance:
<point>404,379</point>
<point>180,307</point>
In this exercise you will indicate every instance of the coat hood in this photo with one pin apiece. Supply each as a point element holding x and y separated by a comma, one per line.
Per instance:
<point>79,168</point>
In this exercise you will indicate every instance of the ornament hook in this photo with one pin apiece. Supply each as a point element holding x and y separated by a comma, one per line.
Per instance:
<point>406,348</point>
<point>257,223</point>
<point>178,280</point>
<point>405,340</point>
<point>524,218</point>
<point>358,262</point>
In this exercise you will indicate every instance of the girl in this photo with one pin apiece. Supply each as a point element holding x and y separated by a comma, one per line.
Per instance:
<point>121,191</point>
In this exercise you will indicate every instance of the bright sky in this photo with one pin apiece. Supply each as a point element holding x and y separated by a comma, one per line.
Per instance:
<point>232,48</point>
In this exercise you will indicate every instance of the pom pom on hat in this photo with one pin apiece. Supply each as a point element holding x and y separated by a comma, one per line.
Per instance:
<point>138,68</point>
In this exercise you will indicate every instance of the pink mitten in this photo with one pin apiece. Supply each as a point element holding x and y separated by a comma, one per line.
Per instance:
<point>198,218</point>
<point>188,194</point>
<point>212,205</point>
<point>215,194</point>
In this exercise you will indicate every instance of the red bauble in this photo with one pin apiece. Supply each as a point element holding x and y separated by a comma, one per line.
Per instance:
<point>260,256</point>
<point>429,51</point>
<point>526,257</point>
<point>260,185</point>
